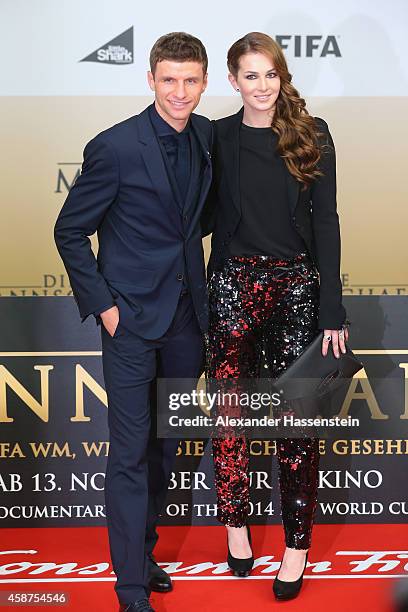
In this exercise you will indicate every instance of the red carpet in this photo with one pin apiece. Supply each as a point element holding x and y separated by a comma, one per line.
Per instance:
<point>351,568</point>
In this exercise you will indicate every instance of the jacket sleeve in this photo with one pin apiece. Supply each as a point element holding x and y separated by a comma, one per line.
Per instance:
<point>208,214</point>
<point>326,232</point>
<point>84,209</point>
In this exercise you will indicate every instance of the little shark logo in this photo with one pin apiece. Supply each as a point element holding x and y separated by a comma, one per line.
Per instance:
<point>117,51</point>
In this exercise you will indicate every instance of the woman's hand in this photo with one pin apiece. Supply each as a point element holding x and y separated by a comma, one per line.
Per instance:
<point>338,338</point>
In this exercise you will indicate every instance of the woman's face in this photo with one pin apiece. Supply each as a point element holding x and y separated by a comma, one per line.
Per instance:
<point>257,81</point>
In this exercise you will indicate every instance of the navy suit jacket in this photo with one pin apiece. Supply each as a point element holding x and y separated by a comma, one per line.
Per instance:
<point>146,243</point>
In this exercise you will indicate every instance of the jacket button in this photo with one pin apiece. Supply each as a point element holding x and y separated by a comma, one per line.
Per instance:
<point>185,217</point>
<point>179,276</point>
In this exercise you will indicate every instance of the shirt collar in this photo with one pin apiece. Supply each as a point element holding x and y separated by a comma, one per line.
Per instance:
<point>161,127</point>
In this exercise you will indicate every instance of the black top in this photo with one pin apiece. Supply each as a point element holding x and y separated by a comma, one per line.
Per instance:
<point>176,146</point>
<point>312,213</point>
<point>265,227</point>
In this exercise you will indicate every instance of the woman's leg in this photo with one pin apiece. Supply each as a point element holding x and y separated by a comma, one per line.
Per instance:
<point>298,473</point>
<point>233,356</point>
<point>292,327</point>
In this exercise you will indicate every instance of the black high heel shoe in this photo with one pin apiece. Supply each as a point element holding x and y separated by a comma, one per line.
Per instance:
<point>241,567</point>
<point>288,590</point>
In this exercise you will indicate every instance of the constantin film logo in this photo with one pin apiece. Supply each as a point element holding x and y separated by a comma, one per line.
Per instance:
<point>116,52</point>
<point>32,565</point>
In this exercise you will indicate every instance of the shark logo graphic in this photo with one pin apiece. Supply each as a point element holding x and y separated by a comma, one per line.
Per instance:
<point>117,51</point>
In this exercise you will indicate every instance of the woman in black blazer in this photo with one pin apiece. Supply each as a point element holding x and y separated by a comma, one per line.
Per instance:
<point>274,279</point>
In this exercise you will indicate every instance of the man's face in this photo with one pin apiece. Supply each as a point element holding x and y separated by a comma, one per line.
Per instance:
<point>178,87</point>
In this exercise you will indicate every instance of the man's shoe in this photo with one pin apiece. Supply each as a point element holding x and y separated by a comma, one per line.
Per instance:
<point>158,580</point>
<point>141,605</point>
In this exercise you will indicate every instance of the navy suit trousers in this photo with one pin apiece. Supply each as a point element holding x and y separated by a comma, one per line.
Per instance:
<point>139,464</point>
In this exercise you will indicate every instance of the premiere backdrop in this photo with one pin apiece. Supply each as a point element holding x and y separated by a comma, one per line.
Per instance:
<point>70,69</point>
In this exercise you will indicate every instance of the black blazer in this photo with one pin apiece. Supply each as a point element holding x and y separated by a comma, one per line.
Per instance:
<point>124,194</point>
<point>313,213</point>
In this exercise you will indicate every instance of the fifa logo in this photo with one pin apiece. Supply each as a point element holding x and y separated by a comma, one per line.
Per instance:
<point>309,45</point>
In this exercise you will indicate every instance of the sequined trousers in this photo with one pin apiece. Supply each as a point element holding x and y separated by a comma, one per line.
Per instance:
<point>263,310</point>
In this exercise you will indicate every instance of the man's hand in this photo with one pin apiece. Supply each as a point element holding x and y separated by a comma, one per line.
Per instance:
<point>110,319</point>
<point>338,338</point>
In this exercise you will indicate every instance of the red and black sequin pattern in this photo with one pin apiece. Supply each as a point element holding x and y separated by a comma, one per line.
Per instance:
<point>263,310</point>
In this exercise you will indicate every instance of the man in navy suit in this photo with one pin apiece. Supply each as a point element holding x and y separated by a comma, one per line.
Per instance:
<point>142,188</point>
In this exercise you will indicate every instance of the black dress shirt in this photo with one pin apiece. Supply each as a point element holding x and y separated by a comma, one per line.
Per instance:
<point>177,148</point>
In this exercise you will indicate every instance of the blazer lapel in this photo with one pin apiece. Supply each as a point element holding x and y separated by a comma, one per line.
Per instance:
<point>293,188</point>
<point>230,157</point>
<point>199,155</point>
<point>155,166</point>
<point>194,173</point>
<point>229,142</point>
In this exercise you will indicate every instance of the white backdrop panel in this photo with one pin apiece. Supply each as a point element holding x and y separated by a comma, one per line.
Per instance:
<point>43,42</point>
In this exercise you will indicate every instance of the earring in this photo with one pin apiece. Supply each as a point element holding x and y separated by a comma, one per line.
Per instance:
<point>237,88</point>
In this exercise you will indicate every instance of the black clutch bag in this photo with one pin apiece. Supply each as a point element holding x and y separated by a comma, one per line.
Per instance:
<point>312,376</point>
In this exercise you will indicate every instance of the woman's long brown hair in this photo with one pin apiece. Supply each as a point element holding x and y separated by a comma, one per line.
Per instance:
<point>298,135</point>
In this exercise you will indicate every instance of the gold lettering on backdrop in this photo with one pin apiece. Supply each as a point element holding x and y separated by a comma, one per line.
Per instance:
<point>50,449</point>
<point>397,445</point>
<point>256,447</point>
<point>190,448</point>
<point>370,447</point>
<point>366,394</point>
<point>194,448</point>
<point>404,366</point>
<point>39,408</point>
<point>83,378</point>
<point>96,448</point>
<point>10,453</point>
<point>266,448</point>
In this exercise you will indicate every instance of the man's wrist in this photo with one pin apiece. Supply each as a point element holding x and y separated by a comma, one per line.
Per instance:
<point>100,311</point>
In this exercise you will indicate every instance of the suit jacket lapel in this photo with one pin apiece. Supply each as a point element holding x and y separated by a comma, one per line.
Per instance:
<point>230,156</point>
<point>229,142</point>
<point>155,166</point>
<point>293,188</point>
<point>195,156</point>
<point>199,155</point>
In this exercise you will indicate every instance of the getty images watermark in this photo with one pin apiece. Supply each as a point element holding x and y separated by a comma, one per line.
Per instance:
<point>251,407</point>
